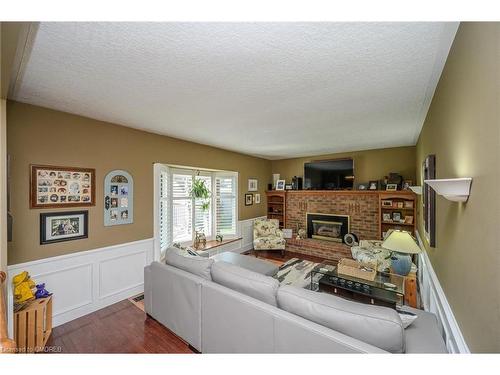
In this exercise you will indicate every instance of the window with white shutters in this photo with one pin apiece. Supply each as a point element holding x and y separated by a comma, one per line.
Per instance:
<point>182,206</point>
<point>203,209</point>
<point>180,215</point>
<point>163,210</point>
<point>225,204</point>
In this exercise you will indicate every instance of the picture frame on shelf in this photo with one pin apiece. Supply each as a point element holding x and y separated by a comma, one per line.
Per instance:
<point>256,198</point>
<point>280,185</point>
<point>400,204</point>
<point>63,226</point>
<point>396,216</point>
<point>248,199</point>
<point>61,187</point>
<point>391,187</point>
<point>288,187</point>
<point>387,203</point>
<point>386,217</point>
<point>253,184</point>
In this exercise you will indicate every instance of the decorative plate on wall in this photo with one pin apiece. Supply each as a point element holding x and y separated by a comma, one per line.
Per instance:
<point>118,198</point>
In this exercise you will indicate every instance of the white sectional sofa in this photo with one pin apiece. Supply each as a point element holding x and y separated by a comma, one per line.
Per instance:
<point>218,307</point>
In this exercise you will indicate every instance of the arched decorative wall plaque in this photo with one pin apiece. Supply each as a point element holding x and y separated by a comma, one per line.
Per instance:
<point>118,198</point>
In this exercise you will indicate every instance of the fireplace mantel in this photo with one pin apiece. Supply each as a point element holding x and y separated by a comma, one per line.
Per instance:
<point>346,192</point>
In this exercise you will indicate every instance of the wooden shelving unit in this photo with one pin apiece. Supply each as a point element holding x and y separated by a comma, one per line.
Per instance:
<point>276,206</point>
<point>402,202</point>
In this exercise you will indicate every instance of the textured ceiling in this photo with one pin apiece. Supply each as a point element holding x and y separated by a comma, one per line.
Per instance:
<point>274,90</point>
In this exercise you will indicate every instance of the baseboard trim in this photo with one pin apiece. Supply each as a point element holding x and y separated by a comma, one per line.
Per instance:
<point>434,300</point>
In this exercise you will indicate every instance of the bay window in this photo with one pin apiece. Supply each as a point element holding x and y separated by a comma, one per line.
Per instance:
<point>180,214</point>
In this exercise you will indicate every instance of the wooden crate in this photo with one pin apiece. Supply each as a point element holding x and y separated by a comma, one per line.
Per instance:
<point>33,325</point>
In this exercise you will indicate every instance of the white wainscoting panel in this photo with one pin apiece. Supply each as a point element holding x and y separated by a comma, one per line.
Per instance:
<point>87,281</point>
<point>434,300</point>
<point>246,233</point>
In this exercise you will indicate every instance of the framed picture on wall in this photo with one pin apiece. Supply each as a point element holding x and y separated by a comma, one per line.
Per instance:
<point>63,226</point>
<point>248,199</point>
<point>429,200</point>
<point>118,198</point>
<point>59,187</point>
<point>252,184</point>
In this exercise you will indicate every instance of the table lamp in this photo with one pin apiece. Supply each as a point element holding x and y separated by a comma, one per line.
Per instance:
<point>402,244</point>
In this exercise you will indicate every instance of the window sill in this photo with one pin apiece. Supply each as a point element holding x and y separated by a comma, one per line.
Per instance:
<point>213,244</point>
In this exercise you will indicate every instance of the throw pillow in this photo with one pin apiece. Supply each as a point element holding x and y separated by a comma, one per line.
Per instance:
<point>194,264</point>
<point>407,318</point>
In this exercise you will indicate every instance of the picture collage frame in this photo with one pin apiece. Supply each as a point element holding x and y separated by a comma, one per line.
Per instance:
<point>118,198</point>
<point>60,187</point>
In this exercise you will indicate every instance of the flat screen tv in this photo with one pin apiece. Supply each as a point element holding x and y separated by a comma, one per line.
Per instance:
<point>329,175</point>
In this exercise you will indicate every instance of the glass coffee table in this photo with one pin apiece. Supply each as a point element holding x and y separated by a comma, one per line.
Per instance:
<point>386,290</point>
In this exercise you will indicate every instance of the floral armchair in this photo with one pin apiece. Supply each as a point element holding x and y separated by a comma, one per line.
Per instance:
<point>267,235</point>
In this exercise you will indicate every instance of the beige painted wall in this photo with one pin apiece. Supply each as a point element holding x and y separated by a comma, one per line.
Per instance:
<point>463,130</point>
<point>3,185</point>
<point>368,165</point>
<point>42,136</point>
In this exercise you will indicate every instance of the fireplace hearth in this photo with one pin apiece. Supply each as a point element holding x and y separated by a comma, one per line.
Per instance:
<point>327,227</point>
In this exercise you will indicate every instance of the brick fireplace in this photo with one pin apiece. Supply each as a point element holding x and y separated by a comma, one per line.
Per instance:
<point>359,207</point>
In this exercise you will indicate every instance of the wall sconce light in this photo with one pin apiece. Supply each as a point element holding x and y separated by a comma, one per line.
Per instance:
<point>453,189</point>
<point>416,189</point>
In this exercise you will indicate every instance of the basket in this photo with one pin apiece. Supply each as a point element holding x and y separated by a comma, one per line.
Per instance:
<point>350,267</point>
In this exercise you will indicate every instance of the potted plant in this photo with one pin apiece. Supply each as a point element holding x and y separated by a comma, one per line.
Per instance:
<point>201,191</point>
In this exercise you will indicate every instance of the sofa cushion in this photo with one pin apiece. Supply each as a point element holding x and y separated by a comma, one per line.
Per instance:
<point>269,242</point>
<point>375,325</point>
<point>266,227</point>
<point>194,264</point>
<point>423,335</point>
<point>251,283</point>
<point>248,262</point>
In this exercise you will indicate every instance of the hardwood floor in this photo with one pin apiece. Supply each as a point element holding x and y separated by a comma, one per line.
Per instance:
<point>119,328</point>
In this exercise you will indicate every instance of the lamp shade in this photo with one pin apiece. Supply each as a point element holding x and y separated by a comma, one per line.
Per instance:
<point>402,242</point>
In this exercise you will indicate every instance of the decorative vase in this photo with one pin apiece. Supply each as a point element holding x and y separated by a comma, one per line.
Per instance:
<point>401,263</point>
